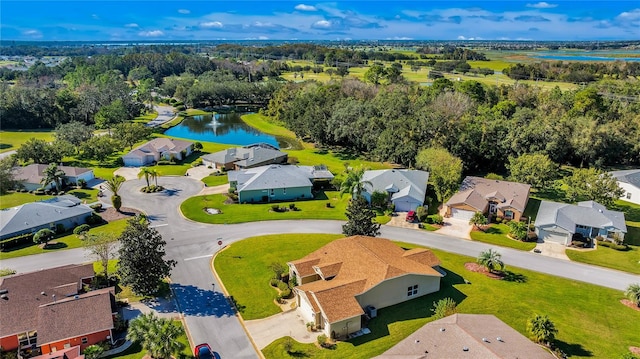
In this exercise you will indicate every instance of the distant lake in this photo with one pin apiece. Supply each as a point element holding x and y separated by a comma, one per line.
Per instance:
<point>221,128</point>
<point>587,55</point>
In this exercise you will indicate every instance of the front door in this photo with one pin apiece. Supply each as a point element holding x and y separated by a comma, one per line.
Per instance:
<point>493,207</point>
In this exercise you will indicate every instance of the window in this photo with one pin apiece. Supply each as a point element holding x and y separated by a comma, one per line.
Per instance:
<point>412,290</point>
<point>84,340</point>
<point>508,214</point>
<point>628,195</point>
<point>284,191</point>
<point>272,192</point>
<point>28,339</point>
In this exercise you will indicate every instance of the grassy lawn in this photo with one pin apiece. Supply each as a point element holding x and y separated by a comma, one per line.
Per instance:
<point>11,140</point>
<point>135,351</point>
<point>335,161</point>
<point>68,241</point>
<point>193,208</point>
<point>628,261</point>
<point>213,180</point>
<point>578,310</point>
<point>497,234</point>
<point>244,268</point>
<point>262,123</point>
<point>148,117</point>
<point>17,198</point>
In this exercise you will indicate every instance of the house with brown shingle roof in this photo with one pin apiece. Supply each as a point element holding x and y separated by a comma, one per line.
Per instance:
<point>494,197</point>
<point>156,149</point>
<point>338,281</point>
<point>477,336</point>
<point>48,309</point>
<point>30,177</point>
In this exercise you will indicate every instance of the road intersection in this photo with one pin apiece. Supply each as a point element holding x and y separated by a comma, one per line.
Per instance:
<point>207,311</point>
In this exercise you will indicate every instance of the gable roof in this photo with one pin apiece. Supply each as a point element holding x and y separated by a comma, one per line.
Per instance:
<point>477,192</point>
<point>24,294</point>
<point>445,338</point>
<point>588,213</point>
<point>72,317</point>
<point>244,156</point>
<point>274,176</point>
<point>159,145</point>
<point>34,172</point>
<point>399,182</point>
<point>358,264</point>
<point>631,177</point>
<point>34,214</point>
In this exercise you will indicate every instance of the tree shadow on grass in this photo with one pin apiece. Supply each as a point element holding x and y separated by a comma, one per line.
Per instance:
<point>4,146</point>
<point>493,230</point>
<point>298,354</point>
<point>80,195</point>
<point>55,245</point>
<point>412,309</point>
<point>573,349</point>
<point>509,276</point>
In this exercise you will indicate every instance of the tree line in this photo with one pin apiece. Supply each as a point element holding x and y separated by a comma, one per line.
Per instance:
<point>574,72</point>
<point>482,125</point>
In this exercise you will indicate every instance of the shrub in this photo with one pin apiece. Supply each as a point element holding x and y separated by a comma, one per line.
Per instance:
<point>83,228</point>
<point>196,163</point>
<point>231,190</point>
<point>275,208</point>
<point>282,285</point>
<point>180,108</point>
<point>444,308</point>
<point>82,183</point>
<point>60,228</point>
<point>436,219</point>
<point>16,241</point>
<point>322,340</point>
<point>422,213</point>
<point>328,204</point>
<point>285,293</point>
<point>96,206</point>
<point>498,220</point>
<point>7,271</point>
<point>43,236</point>
<point>292,206</point>
<point>518,230</point>
<point>165,163</point>
<point>274,282</point>
<point>94,219</point>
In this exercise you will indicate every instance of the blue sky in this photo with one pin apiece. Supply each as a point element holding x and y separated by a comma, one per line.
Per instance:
<point>89,20</point>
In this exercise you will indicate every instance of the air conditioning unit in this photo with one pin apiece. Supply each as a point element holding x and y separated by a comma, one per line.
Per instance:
<point>371,311</point>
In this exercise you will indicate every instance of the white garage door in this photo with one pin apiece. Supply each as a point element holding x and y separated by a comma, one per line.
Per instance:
<point>461,214</point>
<point>405,206</point>
<point>555,237</point>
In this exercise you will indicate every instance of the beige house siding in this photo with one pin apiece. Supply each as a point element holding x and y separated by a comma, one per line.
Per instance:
<point>342,328</point>
<point>516,214</point>
<point>305,308</point>
<point>394,291</point>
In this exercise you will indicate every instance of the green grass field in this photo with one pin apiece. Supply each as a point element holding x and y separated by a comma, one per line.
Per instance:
<point>68,241</point>
<point>497,234</point>
<point>213,180</point>
<point>628,261</point>
<point>578,310</point>
<point>11,140</point>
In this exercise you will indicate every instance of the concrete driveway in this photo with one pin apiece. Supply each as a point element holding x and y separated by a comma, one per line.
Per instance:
<point>291,323</point>
<point>456,228</point>
<point>165,114</point>
<point>129,173</point>
<point>200,172</point>
<point>551,249</point>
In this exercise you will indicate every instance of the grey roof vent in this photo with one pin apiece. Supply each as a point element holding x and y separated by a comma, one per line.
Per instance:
<point>4,291</point>
<point>76,296</point>
<point>486,340</point>
<point>43,293</point>
<point>465,349</point>
<point>442,329</point>
<point>499,339</point>
<point>4,296</point>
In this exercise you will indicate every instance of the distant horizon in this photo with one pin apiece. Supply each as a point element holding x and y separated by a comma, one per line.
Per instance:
<point>285,20</point>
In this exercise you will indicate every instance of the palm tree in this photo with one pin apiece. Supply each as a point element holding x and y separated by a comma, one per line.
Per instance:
<point>115,183</point>
<point>154,173</point>
<point>158,336</point>
<point>353,183</point>
<point>146,172</point>
<point>541,329</point>
<point>491,260</point>
<point>633,293</point>
<point>53,174</point>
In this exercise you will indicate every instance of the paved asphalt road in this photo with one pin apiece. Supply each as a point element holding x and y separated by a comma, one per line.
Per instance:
<point>209,316</point>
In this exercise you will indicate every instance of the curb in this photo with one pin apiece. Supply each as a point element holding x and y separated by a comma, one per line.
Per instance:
<point>184,323</point>
<point>226,293</point>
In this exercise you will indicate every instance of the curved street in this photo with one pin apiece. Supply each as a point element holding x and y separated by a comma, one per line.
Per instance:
<point>208,314</point>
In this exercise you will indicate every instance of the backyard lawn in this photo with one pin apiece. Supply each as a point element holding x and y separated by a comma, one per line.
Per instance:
<point>68,241</point>
<point>11,140</point>
<point>497,234</point>
<point>578,310</point>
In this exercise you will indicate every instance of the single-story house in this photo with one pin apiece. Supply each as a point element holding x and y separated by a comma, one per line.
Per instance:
<point>558,222</point>
<point>466,336</point>
<point>406,188</point>
<point>238,158</point>
<point>30,177</point>
<point>277,182</point>
<point>31,217</point>
<point>493,197</point>
<point>351,277</point>
<point>48,309</point>
<point>629,181</point>
<point>156,149</point>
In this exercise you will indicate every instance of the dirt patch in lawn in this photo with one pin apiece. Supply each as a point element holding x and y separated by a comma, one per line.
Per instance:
<point>634,350</point>
<point>631,305</point>
<point>475,267</point>
<point>110,214</point>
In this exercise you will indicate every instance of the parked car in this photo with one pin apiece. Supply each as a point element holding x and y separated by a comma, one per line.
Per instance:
<point>203,351</point>
<point>411,216</point>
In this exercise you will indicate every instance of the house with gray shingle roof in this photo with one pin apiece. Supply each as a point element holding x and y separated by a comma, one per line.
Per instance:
<point>244,157</point>
<point>30,177</point>
<point>406,188</point>
<point>277,182</point>
<point>494,197</point>
<point>31,217</point>
<point>558,222</point>
<point>629,181</point>
<point>351,277</point>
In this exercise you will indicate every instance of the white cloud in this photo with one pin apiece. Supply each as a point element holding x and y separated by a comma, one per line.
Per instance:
<point>211,24</point>
<point>133,24</point>
<point>263,38</point>
<point>399,38</point>
<point>322,23</point>
<point>461,37</point>
<point>629,15</point>
<point>303,7</point>
<point>95,17</point>
<point>33,33</point>
<point>152,33</point>
<point>184,11</point>
<point>542,5</point>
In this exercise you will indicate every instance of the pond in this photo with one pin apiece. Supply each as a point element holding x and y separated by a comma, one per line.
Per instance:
<point>225,128</point>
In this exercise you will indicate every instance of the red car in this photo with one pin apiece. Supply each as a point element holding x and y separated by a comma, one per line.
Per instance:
<point>203,351</point>
<point>411,216</point>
